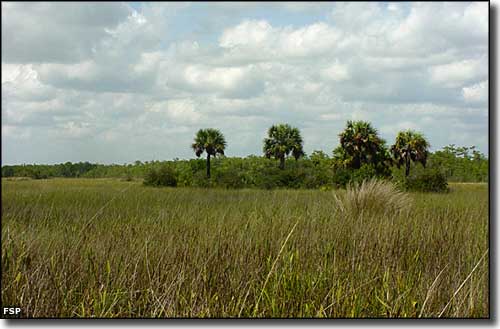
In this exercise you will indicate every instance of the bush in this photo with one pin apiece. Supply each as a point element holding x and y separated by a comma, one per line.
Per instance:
<point>427,181</point>
<point>128,177</point>
<point>37,174</point>
<point>373,196</point>
<point>229,178</point>
<point>7,171</point>
<point>345,176</point>
<point>200,180</point>
<point>341,177</point>
<point>162,176</point>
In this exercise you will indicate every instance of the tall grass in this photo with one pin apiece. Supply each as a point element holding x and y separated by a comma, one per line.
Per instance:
<point>103,248</point>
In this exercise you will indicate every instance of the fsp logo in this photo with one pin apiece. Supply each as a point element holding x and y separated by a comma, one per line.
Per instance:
<point>11,310</point>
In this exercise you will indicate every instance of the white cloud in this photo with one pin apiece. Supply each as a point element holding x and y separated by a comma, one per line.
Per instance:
<point>15,132</point>
<point>231,82</point>
<point>55,32</point>
<point>20,82</point>
<point>151,76</point>
<point>182,111</point>
<point>10,72</point>
<point>403,125</point>
<point>331,116</point>
<point>477,93</point>
<point>456,74</point>
<point>73,129</point>
<point>336,72</point>
<point>253,33</point>
<point>257,41</point>
<point>353,16</point>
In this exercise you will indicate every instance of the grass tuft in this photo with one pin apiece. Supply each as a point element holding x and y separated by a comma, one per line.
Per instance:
<point>377,197</point>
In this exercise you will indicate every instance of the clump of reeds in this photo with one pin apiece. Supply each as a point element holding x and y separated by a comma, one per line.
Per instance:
<point>374,197</point>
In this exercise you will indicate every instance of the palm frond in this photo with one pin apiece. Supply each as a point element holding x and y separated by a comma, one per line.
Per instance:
<point>209,140</point>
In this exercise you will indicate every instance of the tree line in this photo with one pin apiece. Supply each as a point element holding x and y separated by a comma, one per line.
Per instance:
<point>360,145</point>
<point>361,154</point>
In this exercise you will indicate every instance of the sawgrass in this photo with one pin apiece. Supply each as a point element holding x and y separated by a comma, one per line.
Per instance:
<point>109,248</point>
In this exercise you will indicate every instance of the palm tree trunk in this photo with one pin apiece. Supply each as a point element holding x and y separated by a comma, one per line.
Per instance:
<point>282,162</point>
<point>208,166</point>
<point>356,163</point>
<point>407,172</point>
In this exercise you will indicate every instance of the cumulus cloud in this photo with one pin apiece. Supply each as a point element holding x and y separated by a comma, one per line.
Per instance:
<point>55,32</point>
<point>15,132</point>
<point>456,74</point>
<point>180,111</point>
<point>119,82</point>
<point>336,72</point>
<point>232,82</point>
<point>21,82</point>
<point>252,41</point>
<point>477,93</point>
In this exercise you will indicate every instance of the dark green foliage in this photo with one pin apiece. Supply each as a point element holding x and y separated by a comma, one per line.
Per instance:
<point>344,176</point>
<point>8,171</point>
<point>211,141</point>
<point>460,164</point>
<point>361,155</point>
<point>430,180</point>
<point>38,174</point>
<point>199,179</point>
<point>231,178</point>
<point>282,140</point>
<point>128,177</point>
<point>315,171</point>
<point>164,175</point>
<point>410,146</point>
<point>360,144</point>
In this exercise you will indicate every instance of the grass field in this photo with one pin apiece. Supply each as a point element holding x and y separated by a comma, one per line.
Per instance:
<point>109,248</point>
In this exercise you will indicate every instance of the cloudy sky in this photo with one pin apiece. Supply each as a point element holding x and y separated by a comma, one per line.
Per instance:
<point>119,82</point>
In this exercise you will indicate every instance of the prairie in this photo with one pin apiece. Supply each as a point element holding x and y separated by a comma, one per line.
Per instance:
<point>110,248</point>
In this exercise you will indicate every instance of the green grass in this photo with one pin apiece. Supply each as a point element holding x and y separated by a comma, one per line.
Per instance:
<point>108,248</point>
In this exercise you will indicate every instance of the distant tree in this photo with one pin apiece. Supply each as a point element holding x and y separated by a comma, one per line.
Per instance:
<point>281,141</point>
<point>410,146</point>
<point>459,165</point>
<point>211,141</point>
<point>67,169</point>
<point>360,144</point>
<point>8,171</point>
<point>317,157</point>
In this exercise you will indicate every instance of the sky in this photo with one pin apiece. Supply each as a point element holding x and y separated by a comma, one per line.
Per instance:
<point>119,82</point>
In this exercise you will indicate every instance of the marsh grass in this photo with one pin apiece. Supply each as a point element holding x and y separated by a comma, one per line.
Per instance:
<point>109,248</point>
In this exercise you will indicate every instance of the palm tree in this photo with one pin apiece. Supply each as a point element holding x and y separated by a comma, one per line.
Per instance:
<point>211,141</point>
<point>283,140</point>
<point>410,146</point>
<point>360,144</point>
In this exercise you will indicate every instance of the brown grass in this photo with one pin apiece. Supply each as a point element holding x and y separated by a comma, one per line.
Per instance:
<point>105,248</point>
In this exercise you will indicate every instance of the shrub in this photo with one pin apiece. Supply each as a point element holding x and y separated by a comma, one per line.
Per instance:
<point>427,181</point>
<point>128,177</point>
<point>270,178</point>
<point>38,174</point>
<point>200,179</point>
<point>7,171</point>
<point>230,178</point>
<point>373,196</point>
<point>341,177</point>
<point>162,176</point>
<point>344,176</point>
